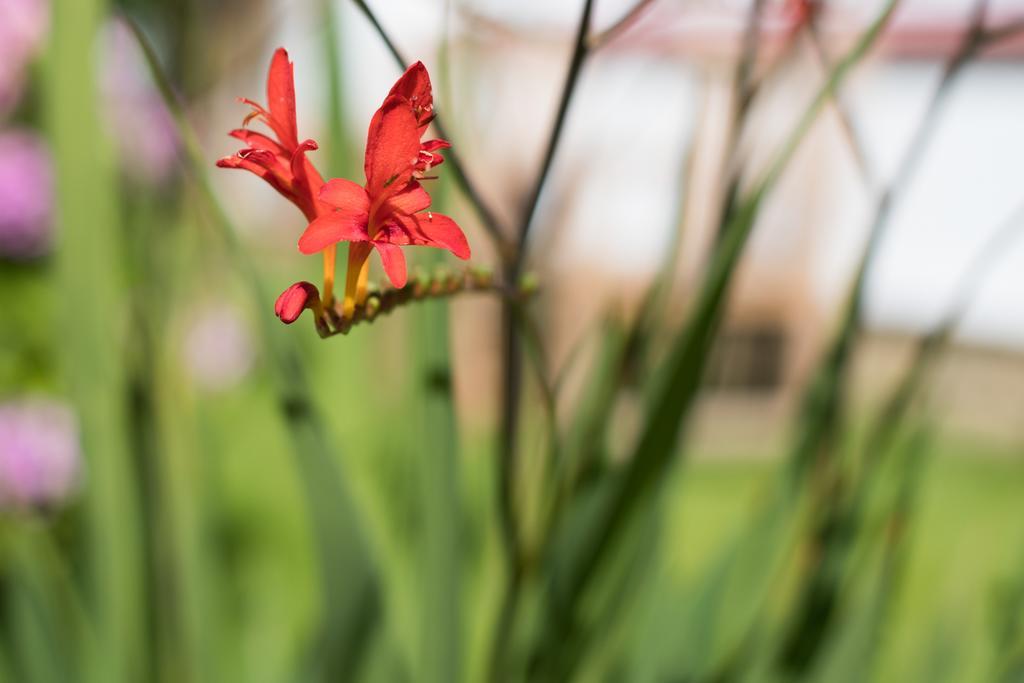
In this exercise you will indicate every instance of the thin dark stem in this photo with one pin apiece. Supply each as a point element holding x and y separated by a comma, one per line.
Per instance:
<point>1008,30</point>
<point>907,169</point>
<point>511,347</point>
<point>511,386</point>
<point>823,397</point>
<point>488,218</point>
<point>599,40</point>
<point>813,617</point>
<point>579,54</point>
<point>931,344</point>
<point>744,82</point>
<point>744,89</point>
<point>914,379</point>
<point>845,120</point>
<point>506,476</point>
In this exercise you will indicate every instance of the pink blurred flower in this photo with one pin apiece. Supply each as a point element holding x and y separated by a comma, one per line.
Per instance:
<point>23,25</point>
<point>26,196</point>
<point>142,128</point>
<point>218,348</point>
<point>40,459</point>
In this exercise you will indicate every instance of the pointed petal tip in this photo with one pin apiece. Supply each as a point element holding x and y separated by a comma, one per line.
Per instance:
<point>310,244</point>
<point>393,260</point>
<point>442,231</point>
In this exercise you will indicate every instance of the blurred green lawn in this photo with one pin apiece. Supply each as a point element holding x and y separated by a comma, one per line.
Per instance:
<point>965,541</point>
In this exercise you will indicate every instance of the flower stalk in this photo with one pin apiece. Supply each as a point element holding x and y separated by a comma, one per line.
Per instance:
<point>440,284</point>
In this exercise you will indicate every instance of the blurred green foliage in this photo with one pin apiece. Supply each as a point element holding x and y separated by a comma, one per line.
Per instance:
<point>328,517</point>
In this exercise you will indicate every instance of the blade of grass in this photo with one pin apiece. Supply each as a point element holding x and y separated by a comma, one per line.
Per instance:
<point>43,610</point>
<point>88,264</point>
<point>441,577</point>
<point>822,402</point>
<point>1008,664</point>
<point>593,652</point>
<point>744,89</point>
<point>440,625</point>
<point>814,609</point>
<point>147,247</point>
<point>878,446</point>
<point>653,315</point>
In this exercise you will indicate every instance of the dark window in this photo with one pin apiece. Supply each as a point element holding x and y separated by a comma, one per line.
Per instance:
<point>748,359</point>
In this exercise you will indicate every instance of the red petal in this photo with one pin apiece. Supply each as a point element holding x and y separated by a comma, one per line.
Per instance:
<point>410,200</point>
<point>430,156</point>
<point>294,300</point>
<point>281,99</point>
<point>267,159</point>
<point>313,181</point>
<point>414,87</point>
<point>392,148</point>
<point>415,82</point>
<point>306,179</point>
<point>266,166</point>
<point>394,233</point>
<point>393,260</point>
<point>257,140</point>
<point>437,230</point>
<point>299,157</point>
<point>339,226</point>
<point>344,194</point>
<point>230,162</point>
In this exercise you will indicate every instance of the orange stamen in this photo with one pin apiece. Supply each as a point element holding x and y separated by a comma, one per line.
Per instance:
<point>330,256</point>
<point>356,278</point>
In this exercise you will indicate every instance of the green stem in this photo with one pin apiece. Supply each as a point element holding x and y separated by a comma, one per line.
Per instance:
<point>93,299</point>
<point>511,386</point>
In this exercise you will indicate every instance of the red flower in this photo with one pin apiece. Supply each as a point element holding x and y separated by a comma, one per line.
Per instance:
<point>281,162</point>
<point>390,210</point>
<point>281,159</point>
